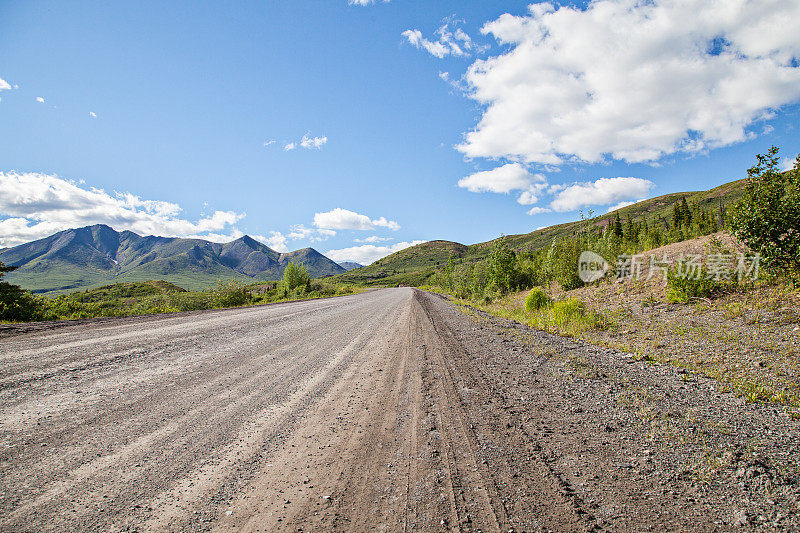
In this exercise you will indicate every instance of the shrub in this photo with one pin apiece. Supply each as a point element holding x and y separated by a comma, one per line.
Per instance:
<point>682,287</point>
<point>501,263</point>
<point>767,217</point>
<point>536,299</point>
<point>561,263</point>
<point>294,276</point>
<point>231,293</point>
<point>17,304</point>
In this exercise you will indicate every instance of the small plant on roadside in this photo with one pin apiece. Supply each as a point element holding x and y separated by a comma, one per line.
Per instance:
<point>683,286</point>
<point>565,311</point>
<point>536,300</point>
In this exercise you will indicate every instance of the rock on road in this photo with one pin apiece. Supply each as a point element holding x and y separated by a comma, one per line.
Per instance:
<point>384,410</point>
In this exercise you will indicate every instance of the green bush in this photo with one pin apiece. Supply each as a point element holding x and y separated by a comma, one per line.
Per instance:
<point>17,304</point>
<point>767,217</point>
<point>231,293</point>
<point>294,276</point>
<point>501,261</point>
<point>561,263</point>
<point>682,287</point>
<point>536,299</point>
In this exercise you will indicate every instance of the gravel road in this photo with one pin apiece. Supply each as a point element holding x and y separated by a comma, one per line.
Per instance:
<point>388,410</point>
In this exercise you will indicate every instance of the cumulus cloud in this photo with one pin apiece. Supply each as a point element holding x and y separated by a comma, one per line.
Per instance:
<point>538,211</point>
<point>619,206</point>
<point>343,219</point>
<point>364,2</point>
<point>270,142</point>
<point>40,99</point>
<point>4,85</point>
<point>527,198</point>
<point>299,231</point>
<point>505,179</point>
<point>448,41</point>
<point>313,142</point>
<point>276,241</point>
<point>787,163</point>
<point>36,205</point>
<point>289,146</point>
<point>630,80</point>
<point>603,191</point>
<point>509,177</point>
<point>92,114</point>
<point>368,253</point>
<point>373,239</point>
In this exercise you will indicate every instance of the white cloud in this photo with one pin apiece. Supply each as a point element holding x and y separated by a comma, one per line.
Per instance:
<point>276,241</point>
<point>373,239</point>
<point>527,198</point>
<point>509,177</point>
<point>538,210</point>
<point>343,219</point>
<point>619,206</point>
<point>4,85</point>
<point>787,163</point>
<point>448,42</point>
<point>364,2</point>
<point>631,80</point>
<point>37,205</point>
<point>503,180</point>
<point>299,231</point>
<point>603,191</point>
<point>270,142</point>
<point>313,142</point>
<point>92,114</point>
<point>368,253</point>
<point>306,142</point>
<point>40,99</point>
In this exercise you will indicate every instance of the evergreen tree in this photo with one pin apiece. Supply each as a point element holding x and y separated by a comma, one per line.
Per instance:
<point>687,213</point>
<point>617,226</point>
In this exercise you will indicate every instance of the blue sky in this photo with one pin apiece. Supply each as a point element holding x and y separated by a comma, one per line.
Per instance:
<point>174,118</point>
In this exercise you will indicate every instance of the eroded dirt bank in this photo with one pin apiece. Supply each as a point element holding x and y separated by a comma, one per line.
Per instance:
<point>390,410</point>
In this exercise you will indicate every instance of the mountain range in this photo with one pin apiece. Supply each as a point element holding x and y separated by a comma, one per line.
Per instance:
<point>98,255</point>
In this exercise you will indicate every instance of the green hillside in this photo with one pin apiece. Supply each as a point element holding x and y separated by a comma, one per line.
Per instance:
<point>412,266</point>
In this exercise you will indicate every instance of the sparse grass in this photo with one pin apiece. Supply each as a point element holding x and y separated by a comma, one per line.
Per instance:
<point>568,317</point>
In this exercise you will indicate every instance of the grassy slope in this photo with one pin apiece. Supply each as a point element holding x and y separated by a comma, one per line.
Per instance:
<point>413,265</point>
<point>747,339</point>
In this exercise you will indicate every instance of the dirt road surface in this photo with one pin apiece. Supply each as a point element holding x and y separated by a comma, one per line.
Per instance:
<point>390,410</point>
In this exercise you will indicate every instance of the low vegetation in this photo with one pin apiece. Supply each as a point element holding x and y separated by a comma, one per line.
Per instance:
<point>738,326</point>
<point>152,297</point>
